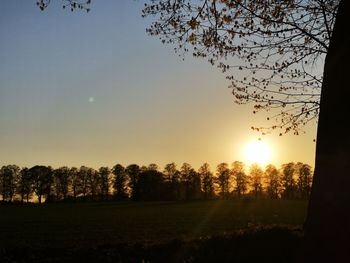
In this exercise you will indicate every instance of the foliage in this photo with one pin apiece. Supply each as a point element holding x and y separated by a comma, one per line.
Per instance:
<point>304,181</point>
<point>133,171</point>
<point>194,182</point>
<point>104,182</point>
<point>42,180</point>
<point>255,178</point>
<point>71,4</point>
<point>75,180</point>
<point>9,176</point>
<point>223,179</point>
<point>148,183</point>
<point>273,182</point>
<point>271,51</point>
<point>150,186</point>
<point>288,180</point>
<point>61,181</point>
<point>207,180</point>
<point>241,179</point>
<point>25,185</point>
<point>119,181</point>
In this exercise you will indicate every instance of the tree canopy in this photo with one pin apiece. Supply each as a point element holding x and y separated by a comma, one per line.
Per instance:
<point>271,51</point>
<point>69,4</point>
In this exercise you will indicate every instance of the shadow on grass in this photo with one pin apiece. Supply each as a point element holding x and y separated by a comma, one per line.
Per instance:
<point>260,244</point>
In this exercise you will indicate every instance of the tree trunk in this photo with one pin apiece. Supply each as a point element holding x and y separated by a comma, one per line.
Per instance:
<point>327,228</point>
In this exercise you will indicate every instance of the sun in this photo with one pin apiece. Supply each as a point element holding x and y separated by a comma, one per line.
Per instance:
<point>258,152</point>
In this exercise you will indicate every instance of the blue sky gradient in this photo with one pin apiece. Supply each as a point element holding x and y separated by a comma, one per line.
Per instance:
<point>93,89</point>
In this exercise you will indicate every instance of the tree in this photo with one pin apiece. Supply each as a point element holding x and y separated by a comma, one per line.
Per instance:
<point>175,181</point>
<point>42,181</point>
<point>192,181</point>
<point>272,47</point>
<point>93,183</point>
<point>104,173</point>
<point>223,176</point>
<point>255,178</point>
<point>193,185</point>
<point>61,182</point>
<point>327,226</point>
<point>153,167</point>
<point>304,180</point>
<point>207,181</point>
<point>69,4</point>
<point>170,171</point>
<point>24,184</point>
<point>292,37</point>
<point>273,183</point>
<point>288,181</point>
<point>9,175</point>
<point>287,39</point>
<point>133,172</point>
<point>119,181</point>
<point>83,182</point>
<point>240,178</point>
<point>149,185</point>
<point>76,182</point>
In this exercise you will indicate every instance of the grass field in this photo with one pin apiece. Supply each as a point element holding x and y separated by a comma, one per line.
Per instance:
<point>88,225</point>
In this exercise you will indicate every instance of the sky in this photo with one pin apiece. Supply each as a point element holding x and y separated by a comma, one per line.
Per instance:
<point>94,89</point>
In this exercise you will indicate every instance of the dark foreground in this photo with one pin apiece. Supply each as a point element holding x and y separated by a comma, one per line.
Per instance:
<point>210,231</point>
<point>274,244</point>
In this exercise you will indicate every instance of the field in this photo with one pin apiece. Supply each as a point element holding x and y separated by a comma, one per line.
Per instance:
<point>84,226</point>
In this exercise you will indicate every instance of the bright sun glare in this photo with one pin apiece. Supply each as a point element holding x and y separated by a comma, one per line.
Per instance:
<point>258,152</point>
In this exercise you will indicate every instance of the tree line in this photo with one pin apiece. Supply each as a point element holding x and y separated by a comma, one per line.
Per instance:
<point>134,182</point>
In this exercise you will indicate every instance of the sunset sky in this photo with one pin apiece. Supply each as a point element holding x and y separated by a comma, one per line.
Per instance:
<point>94,89</point>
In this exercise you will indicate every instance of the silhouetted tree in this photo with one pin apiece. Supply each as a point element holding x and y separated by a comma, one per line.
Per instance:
<point>327,226</point>
<point>207,181</point>
<point>76,181</point>
<point>61,182</point>
<point>170,171</point>
<point>288,39</point>
<point>223,179</point>
<point>133,171</point>
<point>24,184</point>
<point>276,46</point>
<point>93,182</point>
<point>104,176</point>
<point>84,181</point>
<point>174,182</point>
<point>240,178</point>
<point>255,178</point>
<point>120,181</point>
<point>9,175</point>
<point>304,180</point>
<point>273,184</point>
<point>192,182</point>
<point>150,185</point>
<point>42,181</point>
<point>288,181</point>
<point>153,166</point>
<point>186,184</point>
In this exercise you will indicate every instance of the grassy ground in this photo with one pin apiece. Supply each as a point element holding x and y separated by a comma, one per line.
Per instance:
<point>91,225</point>
<point>132,230</point>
